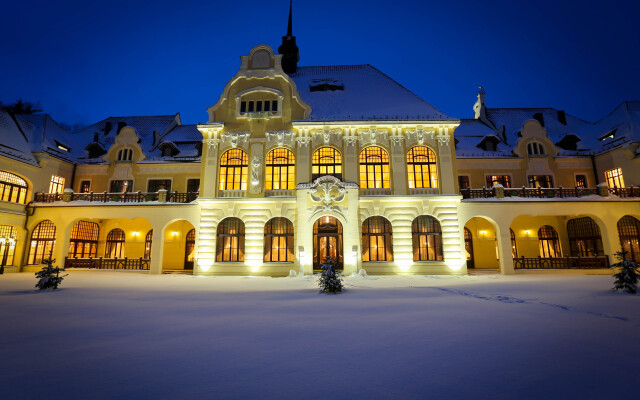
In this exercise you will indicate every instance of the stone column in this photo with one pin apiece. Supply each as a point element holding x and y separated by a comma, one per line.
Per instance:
<point>399,167</point>
<point>157,249</point>
<point>504,251</point>
<point>209,169</point>
<point>448,176</point>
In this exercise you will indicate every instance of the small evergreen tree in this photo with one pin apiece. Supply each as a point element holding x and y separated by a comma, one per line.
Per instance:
<point>49,277</point>
<point>330,280</point>
<point>627,277</point>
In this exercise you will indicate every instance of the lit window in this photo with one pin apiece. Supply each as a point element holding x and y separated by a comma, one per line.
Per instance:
<point>190,249</point>
<point>584,238</point>
<point>514,248</point>
<point>230,240</point>
<point>548,242</point>
<point>427,239</point>
<point>84,240</point>
<point>43,238</point>
<point>326,161</point>
<point>148,241</point>
<point>8,235</point>
<point>540,181</point>
<point>250,106</point>
<point>121,186</point>
<point>581,181</point>
<point>156,184</point>
<point>233,170</point>
<point>614,178</point>
<point>278,240</point>
<point>12,188</point>
<point>374,168</point>
<point>280,170</point>
<point>377,239</point>
<point>422,168</point>
<point>629,233</point>
<point>57,184</point>
<point>85,186</point>
<point>463,182</point>
<point>115,244</point>
<point>504,180</point>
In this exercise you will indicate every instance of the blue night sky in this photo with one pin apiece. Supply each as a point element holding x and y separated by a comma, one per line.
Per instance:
<point>85,61</point>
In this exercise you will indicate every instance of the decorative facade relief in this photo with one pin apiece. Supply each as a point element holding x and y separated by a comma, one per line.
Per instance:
<point>327,135</point>
<point>327,191</point>
<point>397,140</point>
<point>303,141</point>
<point>372,135</point>
<point>236,138</point>
<point>443,137</point>
<point>350,140</point>
<point>420,134</point>
<point>256,165</point>
<point>280,138</point>
<point>212,143</point>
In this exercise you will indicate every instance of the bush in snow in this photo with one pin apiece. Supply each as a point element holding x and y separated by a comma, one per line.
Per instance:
<point>330,280</point>
<point>627,276</point>
<point>49,277</point>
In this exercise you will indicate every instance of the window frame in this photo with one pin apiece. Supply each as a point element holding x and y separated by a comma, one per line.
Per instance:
<point>39,246</point>
<point>549,242</point>
<point>115,243</point>
<point>288,177</point>
<point>630,240</point>
<point>431,172</point>
<point>168,189</point>
<point>468,179</point>
<point>56,184</point>
<point>536,149</point>
<point>10,190</point>
<point>432,239</point>
<point>532,180</point>
<point>282,230</point>
<point>380,178</point>
<point>130,183</point>
<point>377,239</point>
<point>498,179</point>
<point>83,234</point>
<point>585,237</point>
<point>9,236</point>
<point>611,178</point>
<point>243,167</point>
<point>333,166</point>
<point>148,244</point>
<point>222,241</point>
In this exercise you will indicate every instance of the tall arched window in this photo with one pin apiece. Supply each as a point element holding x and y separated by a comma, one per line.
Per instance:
<point>514,248</point>
<point>326,161</point>
<point>43,238</point>
<point>233,170</point>
<point>148,241</point>
<point>377,243</point>
<point>468,248</point>
<point>278,240</point>
<point>84,240</point>
<point>629,233</point>
<point>422,168</point>
<point>189,249</point>
<point>12,188</point>
<point>8,235</point>
<point>427,239</point>
<point>280,170</point>
<point>230,240</point>
<point>374,168</point>
<point>548,242</point>
<point>115,244</point>
<point>584,238</point>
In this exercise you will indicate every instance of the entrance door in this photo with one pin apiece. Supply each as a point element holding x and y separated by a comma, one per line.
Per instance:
<point>468,247</point>
<point>189,249</point>
<point>327,242</point>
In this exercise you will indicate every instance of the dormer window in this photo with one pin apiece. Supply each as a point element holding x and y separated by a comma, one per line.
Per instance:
<point>269,106</point>
<point>325,85</point>
<point>62,147</point>
<point>259,102</point>
<point>125,155</point>
<point>536,149</point>
<point>608,135</point>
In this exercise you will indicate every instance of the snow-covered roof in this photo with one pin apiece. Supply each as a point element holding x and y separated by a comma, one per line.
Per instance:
<point>621,126</point>
<point>470,133</point>
<point>359,92</point>
<point>46,135</point>
<point>14,143</point>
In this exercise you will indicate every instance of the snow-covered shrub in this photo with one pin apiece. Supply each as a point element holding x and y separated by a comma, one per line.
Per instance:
<point>49,277</point>
<point>330,280</point>
<point>627,276</point>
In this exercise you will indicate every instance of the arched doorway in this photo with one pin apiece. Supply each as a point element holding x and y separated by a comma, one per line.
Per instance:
<point>327,242</point>
<point>468,247</point>
<point>189,249</point>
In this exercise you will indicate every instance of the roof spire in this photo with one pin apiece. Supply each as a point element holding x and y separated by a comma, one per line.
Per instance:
<point>288,48</point>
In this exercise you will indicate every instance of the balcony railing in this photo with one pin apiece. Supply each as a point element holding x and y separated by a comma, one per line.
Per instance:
<point>127,197</point>
<point>375,192</point>
<point>561,262</point>
<point>547,193</point>
<point>423,191</point>
<point>232,193</point>
<point>108,263</point>
<point>280,193</point>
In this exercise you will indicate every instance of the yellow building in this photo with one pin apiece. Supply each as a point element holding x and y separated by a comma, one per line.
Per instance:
<point>299,164</point>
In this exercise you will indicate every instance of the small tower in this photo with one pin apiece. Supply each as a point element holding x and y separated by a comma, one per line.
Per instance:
<point>288,48</point>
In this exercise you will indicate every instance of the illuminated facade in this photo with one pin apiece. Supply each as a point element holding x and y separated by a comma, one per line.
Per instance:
<point>299,164</point>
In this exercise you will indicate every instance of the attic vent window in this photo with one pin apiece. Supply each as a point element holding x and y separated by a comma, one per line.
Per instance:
<point>63,147</point>
<point>535,149</point>
<point>252,106</point>
<point>325,85</point>
<point>609,135</point>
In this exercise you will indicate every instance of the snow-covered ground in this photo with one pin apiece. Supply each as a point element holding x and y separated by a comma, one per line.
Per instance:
<point>108,335</point>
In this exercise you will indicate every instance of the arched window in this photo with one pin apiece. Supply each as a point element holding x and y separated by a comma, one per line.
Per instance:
<point>12,188</point>
<point>280,170</point>
<point>422,168</point>
<point>427,239</point>
<point>374,168</point>
<point>584,238</point>
<point>326,161</point>
<point>278,240</point>
<point>468,248</point>
<point>8,235</point>
<point>84,240</point>
<point>377,244</point>
<point>629,233</point>
<point>148,241</point>
<point>514,248</point>
<point>233,170</point>
<point>125,155</point>
<point>43,238</point>
<point>535,149</point>
<point>115,244</point>
<point>230,240</point>
<point>548,242</point>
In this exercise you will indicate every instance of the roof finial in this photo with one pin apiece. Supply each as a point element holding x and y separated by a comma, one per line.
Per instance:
<point>289,26</point>
<point>288,48</point>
